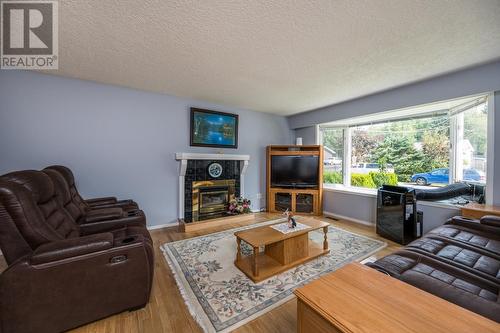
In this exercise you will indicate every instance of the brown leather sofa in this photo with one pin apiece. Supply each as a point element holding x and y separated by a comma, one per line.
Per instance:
<point>459,261</point>
<point>94,219</point>
<point>62,275</point>
<point>95,203</point>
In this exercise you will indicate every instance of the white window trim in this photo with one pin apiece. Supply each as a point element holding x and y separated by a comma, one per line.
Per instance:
<point>456,144</point>
<point>361,191</point>
<point>346,158</point>
<point>490,148</point>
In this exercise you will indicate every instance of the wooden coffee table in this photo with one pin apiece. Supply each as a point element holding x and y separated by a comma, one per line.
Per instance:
<point>282,251</point>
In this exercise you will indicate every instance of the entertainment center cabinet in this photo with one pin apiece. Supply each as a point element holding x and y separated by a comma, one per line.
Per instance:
<point>304,198</point>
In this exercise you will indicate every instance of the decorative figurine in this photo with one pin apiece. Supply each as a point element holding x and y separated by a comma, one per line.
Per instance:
<point>290,219</point>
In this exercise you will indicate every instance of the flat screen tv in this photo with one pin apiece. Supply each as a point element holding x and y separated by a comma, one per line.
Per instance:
<point>213,129</point>
<point>294,171</point>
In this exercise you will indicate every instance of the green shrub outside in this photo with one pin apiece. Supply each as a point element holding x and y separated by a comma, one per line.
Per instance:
<point>362,180</point>
<point>332,177</point>
<point>383,178</point>
<point>404,177</point>
<point>371,180</point>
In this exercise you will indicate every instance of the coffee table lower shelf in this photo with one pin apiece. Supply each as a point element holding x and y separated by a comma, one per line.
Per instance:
<point>268,266</point>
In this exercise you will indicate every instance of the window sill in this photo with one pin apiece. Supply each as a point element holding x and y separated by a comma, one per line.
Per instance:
<point>439,204</point>
<point>351,190</point>
<point>371,193</point>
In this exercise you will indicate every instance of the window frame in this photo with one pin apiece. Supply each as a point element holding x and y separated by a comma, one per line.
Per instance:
<point>345,130</point>
<point>454,142</point>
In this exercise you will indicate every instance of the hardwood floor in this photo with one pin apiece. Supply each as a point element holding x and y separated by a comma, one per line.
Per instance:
<point>166,311</point>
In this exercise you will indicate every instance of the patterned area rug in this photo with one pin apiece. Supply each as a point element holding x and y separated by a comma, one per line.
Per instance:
<point>221,298</point>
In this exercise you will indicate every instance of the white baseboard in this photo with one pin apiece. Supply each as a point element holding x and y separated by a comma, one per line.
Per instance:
<point>159,226</point>
<point>347,218</point>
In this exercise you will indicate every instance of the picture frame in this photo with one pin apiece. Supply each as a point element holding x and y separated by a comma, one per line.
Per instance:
<point>214,129</point>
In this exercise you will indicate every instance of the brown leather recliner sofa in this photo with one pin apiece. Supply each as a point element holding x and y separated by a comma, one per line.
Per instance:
<point>62,274</point>
<point>95,203</point>
<point>459,261</point>
<point>97,218</point>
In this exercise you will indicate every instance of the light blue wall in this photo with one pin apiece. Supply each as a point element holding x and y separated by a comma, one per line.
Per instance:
<point>350,205</point>
<point>364,209</point>
<point>435,216</point>
<point>308,135</point>
<point>118,141</point>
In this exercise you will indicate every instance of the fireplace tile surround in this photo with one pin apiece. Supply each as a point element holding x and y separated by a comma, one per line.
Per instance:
<point>194,173</point>
<point>197,171</point>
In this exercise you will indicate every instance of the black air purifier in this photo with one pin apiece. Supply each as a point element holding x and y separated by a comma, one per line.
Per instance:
<point>397,216</point>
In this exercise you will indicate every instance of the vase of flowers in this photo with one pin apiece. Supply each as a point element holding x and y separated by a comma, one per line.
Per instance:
<point>239,206</point>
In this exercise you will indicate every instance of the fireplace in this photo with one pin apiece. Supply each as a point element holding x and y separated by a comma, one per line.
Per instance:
<point>210,198</point>
<point>203,182</point>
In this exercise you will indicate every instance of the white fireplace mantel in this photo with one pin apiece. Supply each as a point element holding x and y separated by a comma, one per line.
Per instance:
<point>184,157</point>
<point>197,156</point>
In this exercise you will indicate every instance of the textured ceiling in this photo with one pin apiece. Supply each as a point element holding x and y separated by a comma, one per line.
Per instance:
<point>282,57</point>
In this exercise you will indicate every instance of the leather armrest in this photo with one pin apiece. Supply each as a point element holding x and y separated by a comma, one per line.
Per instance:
<point>463,221</point>
<point>375,266</point>
<point>475,224</point>
<point>490,220</point>
<point>103,214</point>
<point>102,226</point>
<point>72,247</point>
<point>124,204</point>
<point>113,205</point>
<point>101,201</point>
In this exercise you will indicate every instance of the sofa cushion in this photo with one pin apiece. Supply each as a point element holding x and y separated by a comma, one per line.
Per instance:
<point>70,180</point>
<point>30,199</point>
<point>443,280</point>
<point>460,255</point>
<point>473,237</point>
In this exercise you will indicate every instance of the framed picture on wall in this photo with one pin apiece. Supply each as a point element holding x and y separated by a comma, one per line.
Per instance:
<point>213,129</point>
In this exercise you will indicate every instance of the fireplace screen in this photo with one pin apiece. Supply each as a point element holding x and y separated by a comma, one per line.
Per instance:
<point>211,198</point>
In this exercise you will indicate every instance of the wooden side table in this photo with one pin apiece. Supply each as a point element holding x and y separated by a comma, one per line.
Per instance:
<point>359,299</point>
<point>476,211</point>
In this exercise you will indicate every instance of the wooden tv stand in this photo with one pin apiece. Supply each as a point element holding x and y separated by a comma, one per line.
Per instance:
<point>307,201</point>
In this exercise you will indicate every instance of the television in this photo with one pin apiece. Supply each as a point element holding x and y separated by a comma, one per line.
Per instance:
<point>213,129</point>
<point>294,171</point>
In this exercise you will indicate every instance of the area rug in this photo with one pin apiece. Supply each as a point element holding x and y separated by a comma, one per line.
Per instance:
<point>221,298</point>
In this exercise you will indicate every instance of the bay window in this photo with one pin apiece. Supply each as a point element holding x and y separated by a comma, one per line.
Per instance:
<point>430,145</point>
